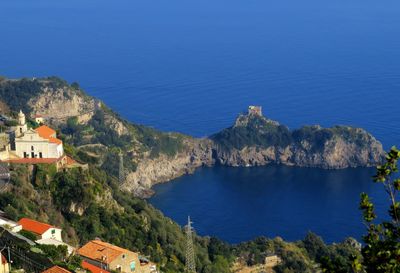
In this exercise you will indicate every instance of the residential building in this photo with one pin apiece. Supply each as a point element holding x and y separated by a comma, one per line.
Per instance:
<point>56,269</point>
<point>4,146</point>
<point>9,224</point>
<point>5,266</point>
<point>272,260</point>
<point>109,257</point>
<point>39,119</point>
<point>47,234</point>
<point>92,268</point>
<point>42,230</point>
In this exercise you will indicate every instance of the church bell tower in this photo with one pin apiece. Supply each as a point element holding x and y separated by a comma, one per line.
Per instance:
<point>21,127</point>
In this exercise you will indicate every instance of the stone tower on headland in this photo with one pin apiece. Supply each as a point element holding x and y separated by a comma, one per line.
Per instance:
<point>255,110</point>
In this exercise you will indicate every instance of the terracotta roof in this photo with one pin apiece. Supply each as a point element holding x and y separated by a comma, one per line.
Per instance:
<point>48,133</point>
<point>101,251</point>
<point>56,269</point>
<point>33,160</point>
<point>45,131</point>
<point>70,161</point>
<point>93,268</point>
<point>34,226</point>
<point>55,140</point>
<point>4,260</point>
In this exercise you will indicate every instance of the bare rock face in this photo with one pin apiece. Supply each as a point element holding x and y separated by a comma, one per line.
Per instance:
<point>116,125</point>
<point>60,104</point>
<point>150,171</point>
<point>339,152</point>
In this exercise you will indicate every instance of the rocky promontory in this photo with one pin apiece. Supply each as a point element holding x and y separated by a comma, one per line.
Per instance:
<point>255,140</point>
<point>151,156</point>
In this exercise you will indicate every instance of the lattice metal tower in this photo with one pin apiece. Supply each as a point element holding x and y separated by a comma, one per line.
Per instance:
<point>121,168</point>
<point>190,261</point>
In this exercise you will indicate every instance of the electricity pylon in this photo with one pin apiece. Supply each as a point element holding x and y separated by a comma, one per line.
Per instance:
<point>190,261</point>
<point>121,168</point>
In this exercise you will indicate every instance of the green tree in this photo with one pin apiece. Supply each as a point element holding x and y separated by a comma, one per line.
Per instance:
<point>381,252</point>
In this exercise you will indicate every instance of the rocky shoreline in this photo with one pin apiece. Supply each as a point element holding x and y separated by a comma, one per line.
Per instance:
<point>336,153</point>
<point>157,157</point>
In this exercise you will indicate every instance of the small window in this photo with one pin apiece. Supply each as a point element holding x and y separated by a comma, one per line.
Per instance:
<point>133,266</point>
<point>123,256</point>
<point>53,231</point>
<point>32,148</point>
<point>40,155</point>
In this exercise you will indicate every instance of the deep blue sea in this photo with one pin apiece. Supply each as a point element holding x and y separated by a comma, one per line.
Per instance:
<point>191,66</point>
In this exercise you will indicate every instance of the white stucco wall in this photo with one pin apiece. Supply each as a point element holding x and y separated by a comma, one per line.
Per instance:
<point>52,233</point>
<point>40,145</point>
<point>15,227</point>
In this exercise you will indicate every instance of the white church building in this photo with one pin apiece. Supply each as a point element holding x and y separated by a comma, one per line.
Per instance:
<point>41,142</point>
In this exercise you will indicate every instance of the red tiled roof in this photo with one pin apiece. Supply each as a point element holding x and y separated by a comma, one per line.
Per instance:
<point>70,161</point>
<point>55,140</point>
<point>45,131</point>
<point>93,268</point>
<point>34,226</point>
<point>33,160</point>
<point>56,269</point>
<point>4,260</point>
<point>48,133</point>
<point>101,251</point>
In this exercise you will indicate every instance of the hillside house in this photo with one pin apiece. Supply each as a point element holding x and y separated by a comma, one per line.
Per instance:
<point>42,230</point>
<point>5,266</point>
<point>47,234</point>
<point>56,269</point>
<point>39,119</point>
<point>272,260</point>
<point>9,224</point>
<point>93,268</point>
<point>113,258</point>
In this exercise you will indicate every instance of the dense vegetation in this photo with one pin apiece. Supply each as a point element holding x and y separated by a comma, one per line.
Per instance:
<point>260,132</point>
<point>89,203</point>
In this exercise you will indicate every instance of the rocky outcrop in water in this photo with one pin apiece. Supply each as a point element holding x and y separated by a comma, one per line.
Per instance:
<point>255,140</point>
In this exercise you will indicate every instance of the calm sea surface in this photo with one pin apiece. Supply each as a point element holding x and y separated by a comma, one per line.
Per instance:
<point>191,66</point>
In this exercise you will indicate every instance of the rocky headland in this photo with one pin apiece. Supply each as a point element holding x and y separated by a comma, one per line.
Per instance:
<point>154,157</point>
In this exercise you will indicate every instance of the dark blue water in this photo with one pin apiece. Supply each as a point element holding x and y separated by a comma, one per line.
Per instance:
<point>191,66</point>
<point>238,204</point>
